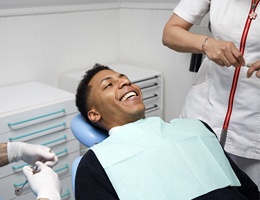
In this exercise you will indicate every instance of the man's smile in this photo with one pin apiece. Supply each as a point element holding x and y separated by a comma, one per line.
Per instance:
<point>128,95</point>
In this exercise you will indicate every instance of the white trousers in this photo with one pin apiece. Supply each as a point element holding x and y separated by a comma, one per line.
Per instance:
<point>250,166</point>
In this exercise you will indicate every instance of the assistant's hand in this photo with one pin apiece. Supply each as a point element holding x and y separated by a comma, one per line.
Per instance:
<point>45,183</point>
<point>223,53</point>
<point>30,153</point>
<point>254,67</point>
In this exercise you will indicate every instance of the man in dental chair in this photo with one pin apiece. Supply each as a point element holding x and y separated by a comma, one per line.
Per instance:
<point>147,158</point>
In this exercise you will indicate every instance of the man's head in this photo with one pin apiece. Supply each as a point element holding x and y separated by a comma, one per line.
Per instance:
<point>108,99</point>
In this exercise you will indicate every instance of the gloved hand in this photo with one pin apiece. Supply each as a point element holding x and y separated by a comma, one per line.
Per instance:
<point>44,183</point>
<point>30,153</point>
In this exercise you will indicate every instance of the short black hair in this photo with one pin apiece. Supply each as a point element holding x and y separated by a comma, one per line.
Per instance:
<point>83,90</point>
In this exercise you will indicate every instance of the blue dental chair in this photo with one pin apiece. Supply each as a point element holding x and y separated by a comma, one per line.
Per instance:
<point>86,135</point>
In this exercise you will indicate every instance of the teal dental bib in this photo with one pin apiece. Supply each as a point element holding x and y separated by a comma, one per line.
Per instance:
<point>151,159</point>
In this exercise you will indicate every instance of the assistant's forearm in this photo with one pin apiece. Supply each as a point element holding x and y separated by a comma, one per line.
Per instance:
<point>180,40</point>
<point>3,155</point>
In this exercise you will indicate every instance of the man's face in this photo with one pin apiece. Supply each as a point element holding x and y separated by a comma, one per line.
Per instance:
<point>114,100</point>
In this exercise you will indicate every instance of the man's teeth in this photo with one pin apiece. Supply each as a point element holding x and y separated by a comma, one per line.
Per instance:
<point>128,95</point>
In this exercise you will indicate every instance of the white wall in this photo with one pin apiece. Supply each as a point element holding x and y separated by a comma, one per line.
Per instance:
<point>8,4</point>
<point>40,46</point>
<point>149,1</point>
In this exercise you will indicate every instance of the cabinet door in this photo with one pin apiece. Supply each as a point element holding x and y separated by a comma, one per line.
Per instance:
<point>38,131</point>
<point>33,116</point>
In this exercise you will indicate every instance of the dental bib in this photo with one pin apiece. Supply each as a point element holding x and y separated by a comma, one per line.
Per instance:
<point>152,159</point>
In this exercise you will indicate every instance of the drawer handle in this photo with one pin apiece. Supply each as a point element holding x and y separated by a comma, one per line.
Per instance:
<point>34,118</point>
<point>61,152</point>
<point>16,185</point>
<point>56,140</point>
<point>150,97</point>
<point>155,106</point>
<point>66,194</point>
<point>147,79</point>
<point>149,86</point>
<point>18,167</point>
<point>36,132</point>
<point>66,166</point>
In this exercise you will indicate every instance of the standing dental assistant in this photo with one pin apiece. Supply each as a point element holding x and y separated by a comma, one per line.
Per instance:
<point>226,92</point>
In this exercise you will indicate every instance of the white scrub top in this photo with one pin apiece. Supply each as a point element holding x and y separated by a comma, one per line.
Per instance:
<point>208,98</point>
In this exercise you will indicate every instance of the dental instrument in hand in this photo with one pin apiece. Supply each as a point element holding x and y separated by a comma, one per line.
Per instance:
<point>19,191</point>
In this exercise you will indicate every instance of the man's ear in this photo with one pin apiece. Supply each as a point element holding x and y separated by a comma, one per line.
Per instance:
<point>94,115</point>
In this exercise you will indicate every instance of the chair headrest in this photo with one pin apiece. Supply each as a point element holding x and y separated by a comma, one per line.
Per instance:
<point>86,134</point>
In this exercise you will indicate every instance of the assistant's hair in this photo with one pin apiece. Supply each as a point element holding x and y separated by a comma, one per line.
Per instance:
<point>83,90</point>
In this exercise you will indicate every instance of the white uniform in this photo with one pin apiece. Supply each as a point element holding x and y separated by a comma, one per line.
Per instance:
<point>208,98</point>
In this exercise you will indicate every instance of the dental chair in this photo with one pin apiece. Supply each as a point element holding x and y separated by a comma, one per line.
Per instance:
<point>87,135</point>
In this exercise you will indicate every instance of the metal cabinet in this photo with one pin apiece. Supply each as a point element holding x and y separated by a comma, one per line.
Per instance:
<point>36,113</point>
<point>150,82</point>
